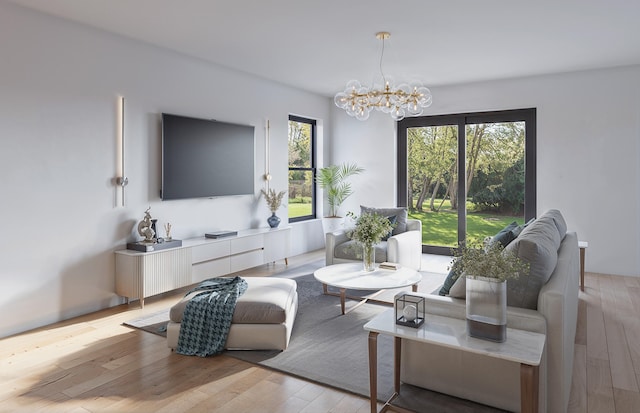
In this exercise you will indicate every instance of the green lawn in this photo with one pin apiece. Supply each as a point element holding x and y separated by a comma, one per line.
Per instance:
<point>299,209</point>
<point>441,228</point>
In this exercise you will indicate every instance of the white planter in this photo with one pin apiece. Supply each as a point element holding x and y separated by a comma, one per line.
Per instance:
<point>487,308</point>
<point>331,224</point>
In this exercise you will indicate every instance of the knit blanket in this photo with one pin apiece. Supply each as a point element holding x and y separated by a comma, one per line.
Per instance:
<point>207,317</point>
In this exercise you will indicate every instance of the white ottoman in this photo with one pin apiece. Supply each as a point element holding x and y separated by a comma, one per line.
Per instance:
<point>263,318</point>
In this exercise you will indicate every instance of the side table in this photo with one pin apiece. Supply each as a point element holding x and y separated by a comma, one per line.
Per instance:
<point>522,347</point>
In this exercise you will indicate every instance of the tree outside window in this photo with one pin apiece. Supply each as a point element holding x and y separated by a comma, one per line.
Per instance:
<point>302,187</point>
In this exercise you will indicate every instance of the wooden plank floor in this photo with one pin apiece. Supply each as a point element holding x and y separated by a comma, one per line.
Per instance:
<point>606,371</point>
<point>95,364</point>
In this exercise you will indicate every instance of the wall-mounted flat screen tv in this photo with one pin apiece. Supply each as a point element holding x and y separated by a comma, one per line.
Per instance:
<point>205,158</point>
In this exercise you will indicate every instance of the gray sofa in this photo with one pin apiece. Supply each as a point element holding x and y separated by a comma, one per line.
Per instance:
<point>553,306</point>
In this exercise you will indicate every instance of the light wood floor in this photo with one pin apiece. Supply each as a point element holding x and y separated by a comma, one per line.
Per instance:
<point>95,364</point>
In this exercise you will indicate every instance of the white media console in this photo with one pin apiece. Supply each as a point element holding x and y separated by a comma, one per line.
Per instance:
<point>144,274</point>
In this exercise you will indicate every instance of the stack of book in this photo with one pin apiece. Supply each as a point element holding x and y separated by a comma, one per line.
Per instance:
<point>389,265</point>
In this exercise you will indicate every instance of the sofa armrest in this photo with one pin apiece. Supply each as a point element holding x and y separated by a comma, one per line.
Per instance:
<point>406,248</point>
<point>332,239</point>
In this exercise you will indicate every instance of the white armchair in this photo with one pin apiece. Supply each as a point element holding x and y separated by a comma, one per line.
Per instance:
<point>404,248</point>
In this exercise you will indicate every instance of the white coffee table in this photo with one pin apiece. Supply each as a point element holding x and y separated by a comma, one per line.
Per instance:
<point>352,276</point>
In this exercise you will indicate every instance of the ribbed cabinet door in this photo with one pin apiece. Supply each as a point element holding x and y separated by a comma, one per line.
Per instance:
<point>165,271</point>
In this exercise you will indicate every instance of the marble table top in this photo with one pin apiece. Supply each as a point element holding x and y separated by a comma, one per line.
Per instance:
<point>521,346</point>
<point>352,276</point>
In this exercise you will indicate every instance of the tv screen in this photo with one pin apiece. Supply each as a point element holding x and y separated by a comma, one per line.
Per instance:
<point>205,158</point>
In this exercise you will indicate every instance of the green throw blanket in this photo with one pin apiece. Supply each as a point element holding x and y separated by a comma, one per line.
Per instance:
<point>207,317</point>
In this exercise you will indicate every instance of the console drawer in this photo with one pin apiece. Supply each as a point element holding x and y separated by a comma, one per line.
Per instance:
<point>254,242</point>
<point>210,251</point>
<point>210,269</point>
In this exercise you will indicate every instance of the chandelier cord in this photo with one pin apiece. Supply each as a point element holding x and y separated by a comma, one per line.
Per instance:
<point>384,80</point>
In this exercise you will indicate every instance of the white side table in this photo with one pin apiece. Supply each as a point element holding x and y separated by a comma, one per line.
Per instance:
<point>522,347</point>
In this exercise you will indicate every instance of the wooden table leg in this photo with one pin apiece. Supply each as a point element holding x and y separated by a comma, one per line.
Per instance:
<point>343,293</point>
<point>414,288</point>
<point>397,353</point>
<point>529,381</point>
<point>373,370</point>
<point>582,250</point>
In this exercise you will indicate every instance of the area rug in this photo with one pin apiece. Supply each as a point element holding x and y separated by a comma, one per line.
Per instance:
<point>331,349</point>
<point>155,323</point>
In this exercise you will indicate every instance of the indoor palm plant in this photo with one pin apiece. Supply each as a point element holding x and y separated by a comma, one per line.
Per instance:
<point>486,270</point>
<point>369,230</point>
<point>274,200</point>
<point>333,179</point>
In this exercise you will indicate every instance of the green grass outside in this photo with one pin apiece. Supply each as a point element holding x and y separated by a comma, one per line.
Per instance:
<point>441,228</point>
<point>299,210</point>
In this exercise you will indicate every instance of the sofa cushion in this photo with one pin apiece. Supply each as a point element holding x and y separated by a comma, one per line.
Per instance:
<point>399,213</point>
<point>558,219</point>
<point>352,250</point>
<point>538,246</point>
<point>266,301</point>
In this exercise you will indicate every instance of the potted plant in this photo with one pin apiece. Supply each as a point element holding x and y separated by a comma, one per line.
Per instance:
<point>368,231</point>
<point>333,179</point>
<point>486,270</point>
<point>274,200</point>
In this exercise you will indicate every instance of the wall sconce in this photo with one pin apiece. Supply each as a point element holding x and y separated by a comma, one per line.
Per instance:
<point>121,179</point>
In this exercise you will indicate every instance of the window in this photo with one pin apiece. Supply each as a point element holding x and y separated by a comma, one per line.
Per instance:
<point>467,176</point>
<point>302,169</point>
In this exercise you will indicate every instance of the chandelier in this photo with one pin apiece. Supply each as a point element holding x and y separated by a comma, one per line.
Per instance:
<point>358,101</point>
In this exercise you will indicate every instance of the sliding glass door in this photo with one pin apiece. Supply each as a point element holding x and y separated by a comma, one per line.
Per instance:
<point>467,176</point>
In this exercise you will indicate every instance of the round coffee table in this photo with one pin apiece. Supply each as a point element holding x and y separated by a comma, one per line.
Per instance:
<point>352,276</point>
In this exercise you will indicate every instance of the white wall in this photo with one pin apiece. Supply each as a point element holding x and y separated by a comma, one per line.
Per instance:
<point>59,84</point>
<point>588,146</point>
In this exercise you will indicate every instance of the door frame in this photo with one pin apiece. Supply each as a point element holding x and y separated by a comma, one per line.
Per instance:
<point>527,115</point>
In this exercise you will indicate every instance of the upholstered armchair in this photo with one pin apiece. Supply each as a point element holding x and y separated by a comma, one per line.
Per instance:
<point>404,246</point>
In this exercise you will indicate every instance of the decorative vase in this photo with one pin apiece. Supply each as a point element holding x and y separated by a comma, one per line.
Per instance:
<point>369,257</point>
<point>487,308</point>
<point>273,220</point>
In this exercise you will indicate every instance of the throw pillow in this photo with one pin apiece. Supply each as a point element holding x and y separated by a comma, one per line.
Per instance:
<point>449,281</point>
<point>399,213</point>
<point>538,246</point>
<point>459,288</point>
<point>392,220</point>
<point>505,236</point>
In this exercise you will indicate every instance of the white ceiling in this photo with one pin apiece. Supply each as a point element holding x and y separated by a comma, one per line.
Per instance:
<point>320,45</point>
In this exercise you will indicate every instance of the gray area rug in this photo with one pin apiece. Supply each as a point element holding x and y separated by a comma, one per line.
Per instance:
<point>155,323</point>
<point>331,349</point>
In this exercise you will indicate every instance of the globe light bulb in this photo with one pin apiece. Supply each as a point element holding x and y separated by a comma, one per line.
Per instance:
<point>397,114</point>
<point>341,100</point>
